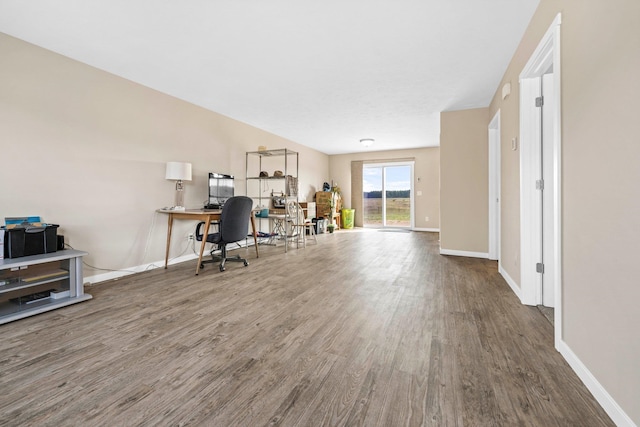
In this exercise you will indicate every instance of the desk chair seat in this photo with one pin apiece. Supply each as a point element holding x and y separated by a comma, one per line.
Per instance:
<point>233,227</point>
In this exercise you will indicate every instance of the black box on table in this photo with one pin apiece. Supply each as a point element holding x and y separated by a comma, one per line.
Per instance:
<point>30,240</point>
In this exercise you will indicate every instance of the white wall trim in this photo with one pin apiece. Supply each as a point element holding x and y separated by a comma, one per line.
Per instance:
<point>543,57</point>
<point>494,187</point>
<point>512,283</point>
<point>617,414</point>
<point>111,275</point>
<point>557,184</point>
<point>116,274</point>
<point>432,230</point>
<point>464,253</point>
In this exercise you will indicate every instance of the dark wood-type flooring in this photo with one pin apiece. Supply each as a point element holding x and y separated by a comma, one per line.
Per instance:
<point>365,328</point>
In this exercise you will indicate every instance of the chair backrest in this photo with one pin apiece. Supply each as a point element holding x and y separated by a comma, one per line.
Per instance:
<point>234,220</point>
<point>295,212</point>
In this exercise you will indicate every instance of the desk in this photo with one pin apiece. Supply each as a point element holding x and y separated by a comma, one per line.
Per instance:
<point>278,224</point>
<point>205,216</point>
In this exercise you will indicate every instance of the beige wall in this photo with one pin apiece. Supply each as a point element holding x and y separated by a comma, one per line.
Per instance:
<point>600,65</point>
<point>87,150</point>
<point>426,179</point>
<point>464,181</point>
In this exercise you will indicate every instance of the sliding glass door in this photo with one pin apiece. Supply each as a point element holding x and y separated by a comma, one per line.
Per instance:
<point>388,195</point>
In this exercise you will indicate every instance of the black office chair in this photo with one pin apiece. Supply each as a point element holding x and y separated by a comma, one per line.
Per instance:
<point>233,227</point>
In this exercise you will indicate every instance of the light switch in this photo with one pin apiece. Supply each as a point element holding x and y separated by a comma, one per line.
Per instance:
<point>419,193</point>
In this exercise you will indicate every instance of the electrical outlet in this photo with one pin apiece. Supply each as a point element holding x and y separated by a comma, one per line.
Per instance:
<point>426,218</point>
<point>190,236</point>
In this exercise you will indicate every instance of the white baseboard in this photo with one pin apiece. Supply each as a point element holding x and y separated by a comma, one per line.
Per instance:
<point>431,230</point>
<point>512,284</point>
<point>116,274</point>
<point>464,253</point>
<point>617,414</point>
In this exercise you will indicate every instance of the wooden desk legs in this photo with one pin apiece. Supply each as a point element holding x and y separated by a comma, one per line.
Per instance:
<point>255,235</point>
<point>206,218</point>
<point>204,242</point>
<point>202,246</point>
<point>166,255</point>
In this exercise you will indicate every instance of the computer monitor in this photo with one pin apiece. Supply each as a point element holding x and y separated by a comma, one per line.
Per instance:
<point>220,189</point>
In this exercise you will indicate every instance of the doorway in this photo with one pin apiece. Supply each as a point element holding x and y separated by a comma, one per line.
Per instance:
<point>388,195</point>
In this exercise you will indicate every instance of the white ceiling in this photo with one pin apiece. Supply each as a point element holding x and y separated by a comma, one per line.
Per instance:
<point>323,74</point>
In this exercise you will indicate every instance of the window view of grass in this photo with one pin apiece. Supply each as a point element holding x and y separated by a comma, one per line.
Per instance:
<point>398,208</point>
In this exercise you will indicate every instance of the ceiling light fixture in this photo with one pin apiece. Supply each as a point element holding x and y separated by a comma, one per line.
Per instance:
<point>367,142</point>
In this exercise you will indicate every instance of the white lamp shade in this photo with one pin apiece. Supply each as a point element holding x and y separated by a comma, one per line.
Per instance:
<point>178,171</point>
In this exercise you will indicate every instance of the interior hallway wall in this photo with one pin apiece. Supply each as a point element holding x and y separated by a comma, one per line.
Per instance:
<point>464,181</point>
<point>600,222</point>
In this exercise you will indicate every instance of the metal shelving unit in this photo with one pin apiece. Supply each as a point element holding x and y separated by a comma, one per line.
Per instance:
<point>256,162</point>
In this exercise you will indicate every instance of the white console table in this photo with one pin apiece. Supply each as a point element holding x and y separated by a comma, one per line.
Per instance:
<point>34,284</point>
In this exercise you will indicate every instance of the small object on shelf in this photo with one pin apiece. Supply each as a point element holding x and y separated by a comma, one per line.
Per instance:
<point>58,274</point>
<point>1,243</point>
<point>30,298</point>
<point>262,213</point>
<point>29,239</point>
<point>59,294</point>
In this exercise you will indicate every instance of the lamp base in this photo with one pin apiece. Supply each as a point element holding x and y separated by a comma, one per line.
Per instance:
<point>179,202</point>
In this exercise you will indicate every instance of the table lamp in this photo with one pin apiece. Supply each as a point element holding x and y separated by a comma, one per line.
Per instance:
<point>178,172</point>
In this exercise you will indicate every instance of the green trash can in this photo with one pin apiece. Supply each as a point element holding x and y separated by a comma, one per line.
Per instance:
<point>347,217</point>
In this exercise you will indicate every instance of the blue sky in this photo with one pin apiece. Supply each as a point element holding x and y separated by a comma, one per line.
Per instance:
<point>398,178</point>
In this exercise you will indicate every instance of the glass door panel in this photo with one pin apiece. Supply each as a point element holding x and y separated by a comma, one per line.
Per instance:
<point>372,197</point>
<point>387,193</point>
<point>397,184</point>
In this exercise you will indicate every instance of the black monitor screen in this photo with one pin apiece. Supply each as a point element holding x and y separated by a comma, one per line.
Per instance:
<point>220,188</point>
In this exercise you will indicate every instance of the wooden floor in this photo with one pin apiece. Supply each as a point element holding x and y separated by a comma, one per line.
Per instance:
<point>365,328</point>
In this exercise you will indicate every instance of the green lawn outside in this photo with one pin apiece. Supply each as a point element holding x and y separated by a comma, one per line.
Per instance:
<point>398,212</point>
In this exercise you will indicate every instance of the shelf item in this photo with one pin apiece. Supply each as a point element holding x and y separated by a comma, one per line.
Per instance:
<point>324,202</point>
<point>271,181</point>
<point>34,284</point>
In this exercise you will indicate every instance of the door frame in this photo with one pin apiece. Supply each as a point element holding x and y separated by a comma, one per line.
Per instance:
<point>546,55</point>
<point>494,188</point>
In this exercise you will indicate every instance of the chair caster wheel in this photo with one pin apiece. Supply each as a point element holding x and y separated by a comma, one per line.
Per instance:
<point>201,265</point>
<point>246,263</point>
<point>221,268</point>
